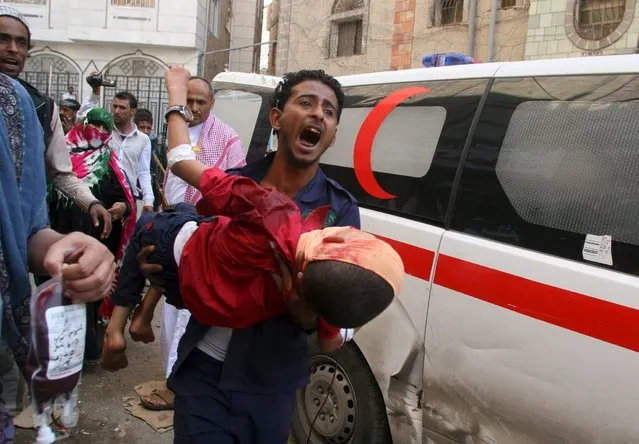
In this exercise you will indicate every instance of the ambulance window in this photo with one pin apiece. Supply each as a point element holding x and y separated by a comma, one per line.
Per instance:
<point>416,149</point>
<point>418,128</point>
<point>573,166</point>
<point>552,161</point>
<point>239,110</point>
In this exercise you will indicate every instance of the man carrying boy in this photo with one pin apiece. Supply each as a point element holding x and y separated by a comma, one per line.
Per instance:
<point>229,255</point>
<point>238,385</point>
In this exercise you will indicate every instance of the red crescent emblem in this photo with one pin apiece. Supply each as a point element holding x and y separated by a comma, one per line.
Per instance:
<point>366,136</point>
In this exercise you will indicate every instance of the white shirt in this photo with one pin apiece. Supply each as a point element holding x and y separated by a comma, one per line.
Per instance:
<point>182,238</point>
<point>175,188</point>
<point>69,96</point>
<point>134,152</point>
<point>91,101</point>
<point>216,341</point>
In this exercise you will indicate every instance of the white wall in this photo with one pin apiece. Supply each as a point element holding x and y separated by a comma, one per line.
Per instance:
<point>173,23</point>
<point>242,34</point>
<point>97,57</point>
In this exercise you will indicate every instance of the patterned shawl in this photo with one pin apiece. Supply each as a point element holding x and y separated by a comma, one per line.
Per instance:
<point>216,147</point>
<point>23,209</point>
<point>92,160</point>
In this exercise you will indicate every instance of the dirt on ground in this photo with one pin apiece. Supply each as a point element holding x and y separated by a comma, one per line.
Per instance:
<point>102,395</point>
<point>103,419</point>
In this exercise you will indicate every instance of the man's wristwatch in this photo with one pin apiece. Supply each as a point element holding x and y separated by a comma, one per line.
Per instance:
<point>184,111</point>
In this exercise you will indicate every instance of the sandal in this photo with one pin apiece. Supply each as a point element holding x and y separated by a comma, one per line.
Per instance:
<point>158,400</point>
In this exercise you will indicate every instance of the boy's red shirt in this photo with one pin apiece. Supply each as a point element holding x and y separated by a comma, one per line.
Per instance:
<point>226,266</point>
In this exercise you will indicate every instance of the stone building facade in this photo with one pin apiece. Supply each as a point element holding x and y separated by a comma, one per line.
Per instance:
<point>355,36</point>
<point>575,28</point>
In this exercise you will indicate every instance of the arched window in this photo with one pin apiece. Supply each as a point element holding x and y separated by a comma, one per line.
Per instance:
<point>347,28</point>
<point>597,19</point>
<point>346,5</point>
<point>144,78</point>
<point>452,12</point>
<point>51,74</point>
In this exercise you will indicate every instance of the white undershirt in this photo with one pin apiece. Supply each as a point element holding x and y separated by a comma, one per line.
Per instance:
<point>216,341</point>
<point>175,188</point>
<point>182,238</point>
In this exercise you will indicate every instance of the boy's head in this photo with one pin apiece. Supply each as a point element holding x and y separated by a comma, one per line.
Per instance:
<point>305,110</point>
<point>143,119</point>
<point>348,276</point>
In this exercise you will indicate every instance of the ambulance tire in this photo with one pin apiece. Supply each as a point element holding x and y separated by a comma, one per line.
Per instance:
<point>355,395</point>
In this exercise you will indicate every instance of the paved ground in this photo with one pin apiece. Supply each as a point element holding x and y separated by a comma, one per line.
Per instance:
<point>102,417</point>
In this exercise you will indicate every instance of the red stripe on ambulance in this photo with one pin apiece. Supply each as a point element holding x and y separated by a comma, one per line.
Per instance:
<point>603,320</point>
<point>418,262</point>
<point>597,318</point>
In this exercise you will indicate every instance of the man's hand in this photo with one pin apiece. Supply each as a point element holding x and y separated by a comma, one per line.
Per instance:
<point>67,123</point>
<point>117,210</point>
<point>94,87</point>
<point>150,270</point>
<point>85,267</point>
<point>284,280</point>
<point>99,213</point>
<point>300,311</point>
<point>177,79</point>
<point>147,209</point>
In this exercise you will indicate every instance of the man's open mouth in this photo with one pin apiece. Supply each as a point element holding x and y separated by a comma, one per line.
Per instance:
<point>310,136</point>
<point>12,62</point>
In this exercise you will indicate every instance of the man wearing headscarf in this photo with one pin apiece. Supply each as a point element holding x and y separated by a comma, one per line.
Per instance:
<point>68,113</point>
<point>13,55</point>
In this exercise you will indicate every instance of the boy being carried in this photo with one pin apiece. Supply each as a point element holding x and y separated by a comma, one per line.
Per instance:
<point>223,263</point>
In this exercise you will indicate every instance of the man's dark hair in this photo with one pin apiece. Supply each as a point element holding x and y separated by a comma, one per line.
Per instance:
<point>345,295</point>
<point>289,80</point>
<point>125,95</point>
<point>142,115</point>
<point>208,82</point>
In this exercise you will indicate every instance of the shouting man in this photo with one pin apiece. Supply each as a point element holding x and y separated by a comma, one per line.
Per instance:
<point>238,386</point>
<point>216,144</point>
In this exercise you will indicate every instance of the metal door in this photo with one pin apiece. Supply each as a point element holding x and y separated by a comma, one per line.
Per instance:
<point>144,79</point>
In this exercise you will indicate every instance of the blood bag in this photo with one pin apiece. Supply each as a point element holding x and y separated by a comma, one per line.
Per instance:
<point>56,357</point>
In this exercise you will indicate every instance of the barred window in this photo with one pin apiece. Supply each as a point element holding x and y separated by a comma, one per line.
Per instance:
<point>507,4</point>
<point>349,38</point>
<point>346,5</point>
<point>134,3</point>
<point>597,19</point>
<point>346,34</point>
<point>452,12</point>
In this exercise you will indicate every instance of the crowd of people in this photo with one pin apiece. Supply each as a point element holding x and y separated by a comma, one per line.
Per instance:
<point>248,261</point>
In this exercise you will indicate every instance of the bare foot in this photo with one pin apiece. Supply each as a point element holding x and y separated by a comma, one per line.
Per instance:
<point>140,328</point>
<point>114,352</point>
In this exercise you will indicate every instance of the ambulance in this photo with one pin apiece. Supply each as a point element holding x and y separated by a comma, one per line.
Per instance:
<point>511,191</point>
